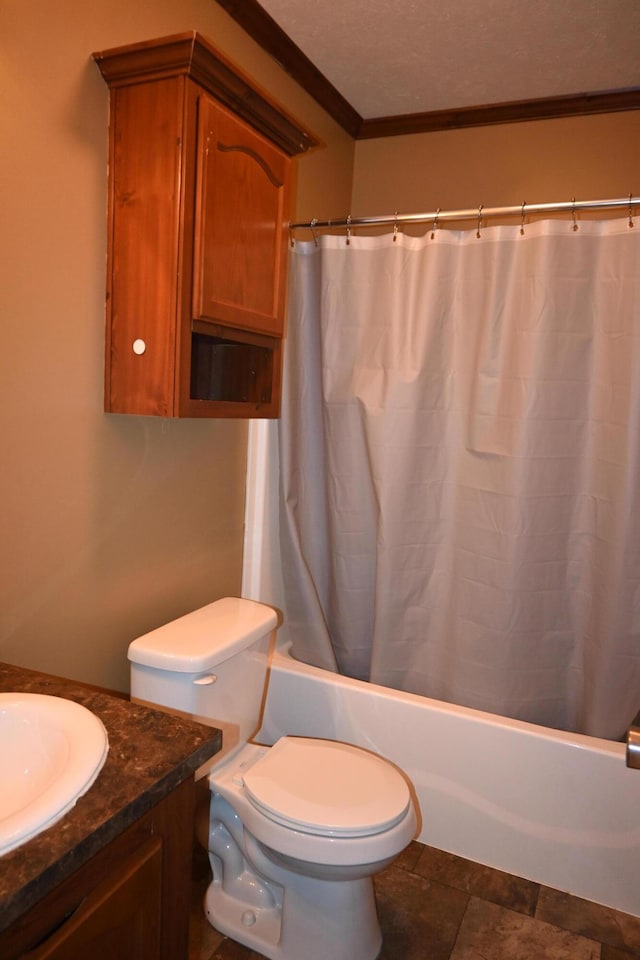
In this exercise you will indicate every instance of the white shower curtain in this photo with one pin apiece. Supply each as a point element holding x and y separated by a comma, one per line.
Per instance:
<point>460,463</point>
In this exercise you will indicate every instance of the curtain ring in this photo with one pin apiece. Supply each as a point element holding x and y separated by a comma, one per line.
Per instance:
<point>312,227</point>
<point>573,215</point>
<point>524,203</point>
<point>395,228</point>
<point>631,223</point>
<point>348,229</point>
<point>435,223</point>
<point>479,222</point>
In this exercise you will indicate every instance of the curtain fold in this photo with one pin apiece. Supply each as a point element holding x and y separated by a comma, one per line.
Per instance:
<point>460,467</point>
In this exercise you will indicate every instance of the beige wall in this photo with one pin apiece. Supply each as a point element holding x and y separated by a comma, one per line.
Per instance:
<point>586,157</point>
<point>110,524</point>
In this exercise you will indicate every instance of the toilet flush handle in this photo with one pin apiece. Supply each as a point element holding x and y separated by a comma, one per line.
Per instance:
<point>207,679</point>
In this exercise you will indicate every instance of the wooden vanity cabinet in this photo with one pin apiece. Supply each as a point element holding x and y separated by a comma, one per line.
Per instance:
<point>130,901</point>
<point>199,174</point>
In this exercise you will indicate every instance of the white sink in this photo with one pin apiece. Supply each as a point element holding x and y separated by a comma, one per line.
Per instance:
<point>51,751</point>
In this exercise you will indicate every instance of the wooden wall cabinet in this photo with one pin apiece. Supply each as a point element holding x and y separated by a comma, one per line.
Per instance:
<point>199,177</point>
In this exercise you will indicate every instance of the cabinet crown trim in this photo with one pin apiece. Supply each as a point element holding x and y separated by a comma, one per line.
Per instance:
<point>190,54</point>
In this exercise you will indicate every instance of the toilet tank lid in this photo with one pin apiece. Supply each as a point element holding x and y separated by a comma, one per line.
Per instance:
<point>208,636</point>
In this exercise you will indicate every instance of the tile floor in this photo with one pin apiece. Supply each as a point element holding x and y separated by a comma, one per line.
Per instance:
<point>436,906</point>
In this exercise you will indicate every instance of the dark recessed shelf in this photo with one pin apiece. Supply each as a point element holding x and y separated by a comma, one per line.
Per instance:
<point>230,370</point>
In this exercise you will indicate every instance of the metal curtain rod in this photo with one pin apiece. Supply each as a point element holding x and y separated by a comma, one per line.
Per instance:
<point>436,216</point>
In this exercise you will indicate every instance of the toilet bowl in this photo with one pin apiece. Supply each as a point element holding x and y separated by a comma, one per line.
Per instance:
<point>296,830</point>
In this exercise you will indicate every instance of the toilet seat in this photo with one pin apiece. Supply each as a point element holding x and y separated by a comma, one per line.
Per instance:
<point>325,788</point>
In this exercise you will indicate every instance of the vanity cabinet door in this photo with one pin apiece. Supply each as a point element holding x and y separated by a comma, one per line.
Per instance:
<point>130,901</point>
<point>240,228</point>
<point>120,918</point>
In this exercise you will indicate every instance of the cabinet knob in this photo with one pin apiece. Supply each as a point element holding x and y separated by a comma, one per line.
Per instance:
<point>139,347</point>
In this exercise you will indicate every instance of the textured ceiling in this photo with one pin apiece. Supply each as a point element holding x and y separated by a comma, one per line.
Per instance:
<point>392,57</point>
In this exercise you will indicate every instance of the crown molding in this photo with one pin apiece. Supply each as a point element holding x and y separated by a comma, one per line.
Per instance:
<point>517,111</point>
<point>191,55</point>
<point>265,31</point>
<point>262,28</point>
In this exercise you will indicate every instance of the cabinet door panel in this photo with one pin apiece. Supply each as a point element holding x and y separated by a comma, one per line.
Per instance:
<point>120,918</point>
<point>241,213</point>
<point>146,170</point>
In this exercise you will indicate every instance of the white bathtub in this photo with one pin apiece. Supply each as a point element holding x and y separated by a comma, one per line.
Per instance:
<point>560,809</point>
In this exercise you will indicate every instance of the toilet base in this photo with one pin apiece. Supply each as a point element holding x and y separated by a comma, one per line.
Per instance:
<point>254,927</point>
<point>283,907</point>
<point>321,919</point>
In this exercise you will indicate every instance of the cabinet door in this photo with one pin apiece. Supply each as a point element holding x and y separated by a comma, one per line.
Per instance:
<point>241,224</point>
<point>146,178</point>
<point>119,919</point>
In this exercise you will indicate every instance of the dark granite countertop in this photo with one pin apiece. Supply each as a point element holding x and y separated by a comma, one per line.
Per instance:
<point>150,753</point>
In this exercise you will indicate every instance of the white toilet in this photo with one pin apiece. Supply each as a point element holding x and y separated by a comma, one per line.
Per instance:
<point>296,830</point>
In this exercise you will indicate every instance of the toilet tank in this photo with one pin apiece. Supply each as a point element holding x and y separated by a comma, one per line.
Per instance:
<point>211,664</point>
